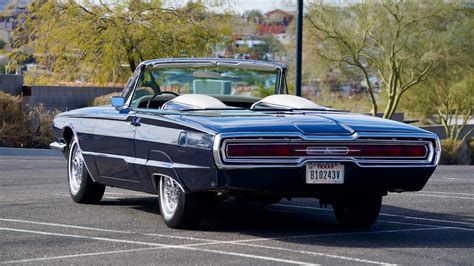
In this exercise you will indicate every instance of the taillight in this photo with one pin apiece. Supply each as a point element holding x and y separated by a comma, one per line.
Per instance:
<point>252,150</point>
<point>388,151</point>
<point>325,150</point>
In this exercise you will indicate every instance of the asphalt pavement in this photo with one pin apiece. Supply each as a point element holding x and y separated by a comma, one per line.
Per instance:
<point>40,224</point>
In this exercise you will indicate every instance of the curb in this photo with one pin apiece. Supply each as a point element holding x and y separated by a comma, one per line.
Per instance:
<point>28,152</point>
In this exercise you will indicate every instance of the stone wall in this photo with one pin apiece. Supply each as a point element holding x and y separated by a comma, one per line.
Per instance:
<point>11,84</point>
<point>64,98</point>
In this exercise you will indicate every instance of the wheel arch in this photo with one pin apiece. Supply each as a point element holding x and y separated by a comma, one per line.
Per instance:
<point>160,164</point>
<point>68,134</point>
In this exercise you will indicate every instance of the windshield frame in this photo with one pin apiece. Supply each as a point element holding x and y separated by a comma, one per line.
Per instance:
<point>281,70</point>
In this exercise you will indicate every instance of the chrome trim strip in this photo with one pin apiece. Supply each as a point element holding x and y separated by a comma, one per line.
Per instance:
<point>141,161</point>
<point>289,163</point>
<point>227,142</point>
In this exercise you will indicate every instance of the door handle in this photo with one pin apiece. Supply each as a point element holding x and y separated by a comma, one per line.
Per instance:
<point>135,122</point>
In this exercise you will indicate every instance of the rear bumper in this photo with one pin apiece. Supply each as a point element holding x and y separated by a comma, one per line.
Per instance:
<point>291,182</point>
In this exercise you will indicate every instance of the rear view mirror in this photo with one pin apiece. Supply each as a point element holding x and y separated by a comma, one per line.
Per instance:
<point>117,101</point>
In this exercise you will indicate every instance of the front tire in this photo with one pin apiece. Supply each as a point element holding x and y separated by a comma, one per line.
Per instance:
<point>178,209</point>
<point>81,186</point>
<point>360,212</point>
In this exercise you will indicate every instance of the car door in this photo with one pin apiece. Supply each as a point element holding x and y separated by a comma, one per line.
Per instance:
<point>114,144</point>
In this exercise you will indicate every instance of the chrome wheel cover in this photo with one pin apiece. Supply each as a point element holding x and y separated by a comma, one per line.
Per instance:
<point>76,168</point>
<point>169,195</point>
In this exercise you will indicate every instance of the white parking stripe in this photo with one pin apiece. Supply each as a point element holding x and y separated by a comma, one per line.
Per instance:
<point>186,247</point>
<point>381,214</point>
<point>451,178</point>
<point>340,234</point>
<point>431,226</point>
<point>428,219</point>
<point>253,256</point>
<point>77,255</point>
<point>316,254</point>
<point>82,237</point>
<point>213,242</point>
<point>448,193</point>
<point>422,194</point>
<point>100,229</point>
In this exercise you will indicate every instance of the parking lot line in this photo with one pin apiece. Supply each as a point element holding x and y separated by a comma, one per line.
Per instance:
<point>422,194</point>
<point>381,214</point>
<point>341,234</point>
<point>77,255</point>
<point>316,254</point>
<point>81,237</point>
<point>429,220</point>
<point>426,225</point>
<point>207,241</point>
<point>162,246</point>
<point>187,246</point>
<point>243,242</point>
<point>447,193</point>
<point>100,229</point>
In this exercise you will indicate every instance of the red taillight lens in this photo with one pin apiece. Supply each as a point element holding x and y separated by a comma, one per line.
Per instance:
<point>325,150</point>
<point>251,150</point>
<point>387,150</point>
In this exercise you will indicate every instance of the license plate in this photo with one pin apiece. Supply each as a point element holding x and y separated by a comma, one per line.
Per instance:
<point>324,173</point>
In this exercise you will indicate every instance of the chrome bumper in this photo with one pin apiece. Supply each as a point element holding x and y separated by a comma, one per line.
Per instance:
<point>57,145</point>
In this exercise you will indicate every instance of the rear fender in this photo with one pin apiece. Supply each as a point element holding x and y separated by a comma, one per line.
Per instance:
<point>159,164</point>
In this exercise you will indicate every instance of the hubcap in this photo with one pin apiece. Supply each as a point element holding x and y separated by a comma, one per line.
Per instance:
<point>169,194</point>
<point>76,167</point>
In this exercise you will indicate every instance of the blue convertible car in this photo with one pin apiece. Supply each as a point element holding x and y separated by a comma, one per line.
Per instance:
<point>196,131</point>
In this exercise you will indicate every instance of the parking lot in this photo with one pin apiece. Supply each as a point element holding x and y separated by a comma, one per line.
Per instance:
<point>40,224</point>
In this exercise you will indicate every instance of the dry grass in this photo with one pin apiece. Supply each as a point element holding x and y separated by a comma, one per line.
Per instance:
<point>104,99</point>
<point>29,127</point>
<point>13,131</point>
<point>455,152</point>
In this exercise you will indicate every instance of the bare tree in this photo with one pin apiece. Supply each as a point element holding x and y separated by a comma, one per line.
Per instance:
<point>394,40</point>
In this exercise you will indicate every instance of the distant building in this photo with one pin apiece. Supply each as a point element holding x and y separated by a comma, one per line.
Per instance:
<point>275,22</point>
<point>253,30</point>
<point>10,12</point>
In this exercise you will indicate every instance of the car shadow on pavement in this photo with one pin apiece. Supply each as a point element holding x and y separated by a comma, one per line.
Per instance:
<point>319,227</point>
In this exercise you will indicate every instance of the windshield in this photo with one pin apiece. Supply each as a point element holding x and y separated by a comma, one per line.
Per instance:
<point>209,80</point>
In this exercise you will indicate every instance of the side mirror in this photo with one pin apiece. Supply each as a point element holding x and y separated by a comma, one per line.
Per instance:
<point>117,101</point>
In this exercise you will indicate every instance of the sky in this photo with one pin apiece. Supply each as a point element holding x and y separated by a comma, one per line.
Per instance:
<point>263,5</point>
<point>242,5</point>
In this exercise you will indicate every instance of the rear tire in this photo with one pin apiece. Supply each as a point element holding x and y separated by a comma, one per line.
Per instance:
<point>178,208</point>
<point>81,186</point>
<point>361,212</point>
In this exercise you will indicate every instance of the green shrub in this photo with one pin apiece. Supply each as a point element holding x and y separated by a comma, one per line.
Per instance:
<point>455,152</point>
<point>13,130</point>
<point>39,125</point>
<point>103,100</point>
<point>29,127</point>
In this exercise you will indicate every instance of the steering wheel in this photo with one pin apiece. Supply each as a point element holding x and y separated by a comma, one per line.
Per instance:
<point>159,93</point>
